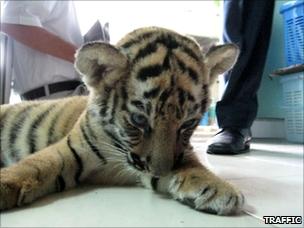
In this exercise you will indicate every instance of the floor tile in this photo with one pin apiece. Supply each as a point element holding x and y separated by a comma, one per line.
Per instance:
<point>273,196</point>
<point>117,207</point>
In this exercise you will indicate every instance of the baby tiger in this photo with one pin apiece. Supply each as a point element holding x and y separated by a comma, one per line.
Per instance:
<point>147,95</point>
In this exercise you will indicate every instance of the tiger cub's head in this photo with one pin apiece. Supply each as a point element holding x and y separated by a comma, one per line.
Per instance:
<point>149,92</point>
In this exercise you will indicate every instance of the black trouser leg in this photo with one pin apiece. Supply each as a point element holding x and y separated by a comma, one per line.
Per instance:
<point>248,24</point>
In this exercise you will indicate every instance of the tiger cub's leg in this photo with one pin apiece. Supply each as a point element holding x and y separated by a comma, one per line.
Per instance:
<point>52,169</point>
<point>196,186</point>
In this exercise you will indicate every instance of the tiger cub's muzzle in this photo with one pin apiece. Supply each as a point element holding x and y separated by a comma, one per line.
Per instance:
<point>144,164</point>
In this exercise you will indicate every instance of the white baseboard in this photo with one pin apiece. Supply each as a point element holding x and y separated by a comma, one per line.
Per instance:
<point>268,128</point>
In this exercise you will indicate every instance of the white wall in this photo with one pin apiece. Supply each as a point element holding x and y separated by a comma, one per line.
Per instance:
<point>191,17</point>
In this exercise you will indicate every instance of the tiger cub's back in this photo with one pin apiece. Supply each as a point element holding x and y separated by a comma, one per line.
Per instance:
<point>30,126</point>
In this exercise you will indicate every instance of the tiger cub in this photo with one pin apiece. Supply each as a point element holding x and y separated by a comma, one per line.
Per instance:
<point>147,95</point>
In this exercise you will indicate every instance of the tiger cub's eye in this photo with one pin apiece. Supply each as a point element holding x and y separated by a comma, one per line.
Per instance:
<point>139,120</point>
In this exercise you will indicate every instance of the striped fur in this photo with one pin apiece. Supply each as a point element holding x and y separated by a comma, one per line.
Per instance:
<point>147,95</point>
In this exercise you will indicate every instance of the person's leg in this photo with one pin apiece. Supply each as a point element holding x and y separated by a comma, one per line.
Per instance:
<point>247,24</point>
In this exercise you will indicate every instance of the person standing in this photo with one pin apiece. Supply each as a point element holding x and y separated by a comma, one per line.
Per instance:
<point>45,37</point>
<point>247,24</point>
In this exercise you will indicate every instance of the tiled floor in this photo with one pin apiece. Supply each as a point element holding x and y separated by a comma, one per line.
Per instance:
<point>270,176</point>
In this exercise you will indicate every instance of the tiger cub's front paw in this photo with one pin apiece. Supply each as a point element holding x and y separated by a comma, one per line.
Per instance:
<point>13,190</point>
<point>206,192</point>
<point>9,191</point>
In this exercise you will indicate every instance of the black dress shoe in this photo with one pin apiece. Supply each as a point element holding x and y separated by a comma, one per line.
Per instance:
<point>230,141</point>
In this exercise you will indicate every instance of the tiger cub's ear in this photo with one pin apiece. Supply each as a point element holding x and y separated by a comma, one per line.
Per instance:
<point>220,59</point>
<point>100,63</point>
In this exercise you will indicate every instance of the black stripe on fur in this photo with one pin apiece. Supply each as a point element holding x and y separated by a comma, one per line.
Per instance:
<point>104,100</point>
<point>115,141</point>
<point>93,148</point>
<point>51,130</point>
<point>60,183</point>
<point>3,117</point>
<point>78,160</point>
<point>150,71</point>
<point>146,51</point>
<point>152,93</point>
<point>205,100</point>
<point>114,107</point>
<point>138,39</point>
<point>31,137</point>
<point>190,72</point>
<point>154,183</point>
<point>17,124</point>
